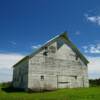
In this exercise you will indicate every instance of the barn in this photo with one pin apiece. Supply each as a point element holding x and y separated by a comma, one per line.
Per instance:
<point>56,64</point>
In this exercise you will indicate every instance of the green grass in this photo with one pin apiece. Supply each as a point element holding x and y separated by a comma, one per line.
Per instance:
<point>92,93</point>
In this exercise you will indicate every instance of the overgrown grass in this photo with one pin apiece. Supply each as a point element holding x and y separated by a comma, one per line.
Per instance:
<point>92,93</point>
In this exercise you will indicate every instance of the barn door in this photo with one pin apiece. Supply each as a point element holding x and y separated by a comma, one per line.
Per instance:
<point>64,81</point>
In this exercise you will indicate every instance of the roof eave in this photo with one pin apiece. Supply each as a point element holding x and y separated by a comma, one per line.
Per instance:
<point>26,57</point>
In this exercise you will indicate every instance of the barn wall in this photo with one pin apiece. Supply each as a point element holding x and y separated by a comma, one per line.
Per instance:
<point>20,75</point>
<point>40,65</point>
<point>60,69</point>
<point>71,67</point>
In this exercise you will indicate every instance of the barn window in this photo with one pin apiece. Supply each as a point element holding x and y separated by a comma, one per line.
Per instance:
<point>45,53</point>
<point>46,48</point>
<point>76,57</point>
<point>75,77</point>
<point>52,49</point>
<point>42,77</point>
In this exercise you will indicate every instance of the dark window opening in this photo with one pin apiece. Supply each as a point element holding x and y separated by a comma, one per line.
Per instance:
<point>46,48</point>
<point>76,57</point>
<point>75,77</point>
<point>42,77</point>
<point>45,53</point>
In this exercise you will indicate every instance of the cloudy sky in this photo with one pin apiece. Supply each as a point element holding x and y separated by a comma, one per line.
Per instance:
<point>26,24</point>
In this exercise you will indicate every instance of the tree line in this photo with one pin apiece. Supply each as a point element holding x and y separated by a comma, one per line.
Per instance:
<point>94,82</point>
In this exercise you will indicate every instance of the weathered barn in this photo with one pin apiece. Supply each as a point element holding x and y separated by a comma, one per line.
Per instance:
<point>56,64</point>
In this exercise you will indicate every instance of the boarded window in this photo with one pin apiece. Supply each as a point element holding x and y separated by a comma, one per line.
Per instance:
<point>52,49</point>
<point>42,77</point>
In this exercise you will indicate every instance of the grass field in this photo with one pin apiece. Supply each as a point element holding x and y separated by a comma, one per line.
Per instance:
<point>92,93</point>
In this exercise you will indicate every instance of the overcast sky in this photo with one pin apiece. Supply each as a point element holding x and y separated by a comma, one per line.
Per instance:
<point>26,24</point>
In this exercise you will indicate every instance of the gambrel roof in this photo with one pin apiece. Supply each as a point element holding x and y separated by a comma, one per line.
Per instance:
<point>66,40</point>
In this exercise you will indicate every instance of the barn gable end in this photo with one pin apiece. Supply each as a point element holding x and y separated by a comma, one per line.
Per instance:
<point>57,64</point>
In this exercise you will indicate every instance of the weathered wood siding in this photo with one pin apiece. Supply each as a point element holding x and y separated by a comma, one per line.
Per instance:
<point>20,75</point>
<point>59,68</point>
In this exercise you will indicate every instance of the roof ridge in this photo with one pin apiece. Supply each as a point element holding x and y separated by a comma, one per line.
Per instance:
<point>68,42</point>
<point>49,41</point>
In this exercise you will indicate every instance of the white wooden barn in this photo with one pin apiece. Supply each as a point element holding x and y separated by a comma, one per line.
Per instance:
<point>56,64</point>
